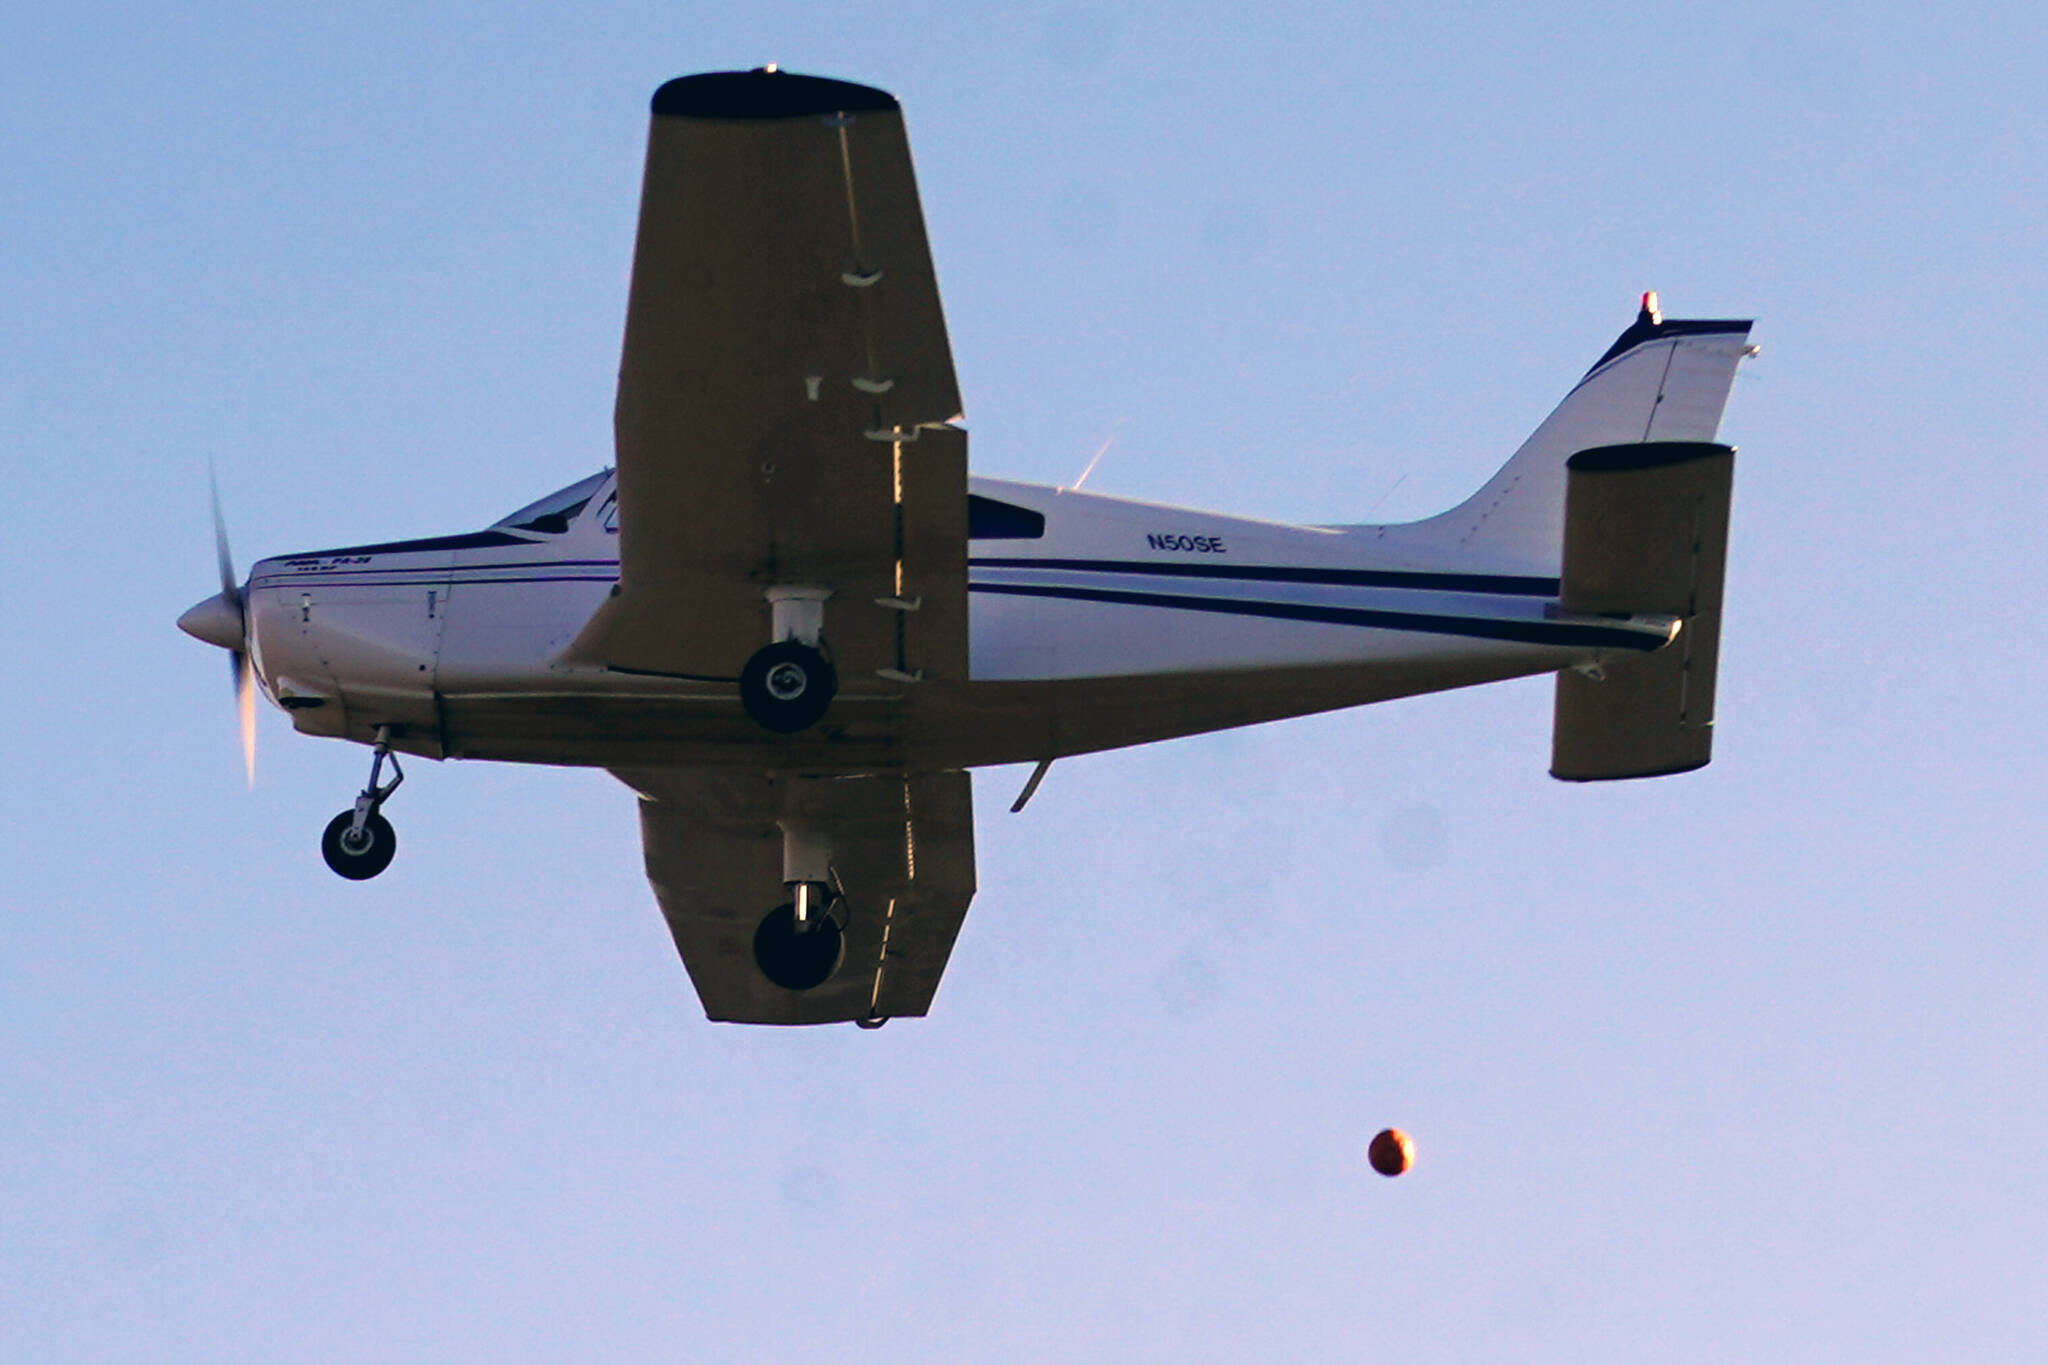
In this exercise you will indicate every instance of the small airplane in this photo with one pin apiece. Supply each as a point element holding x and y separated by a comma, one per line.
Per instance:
<point>791,622</point>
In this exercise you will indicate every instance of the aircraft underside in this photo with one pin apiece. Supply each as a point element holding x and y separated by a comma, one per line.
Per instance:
<point>959,725</point>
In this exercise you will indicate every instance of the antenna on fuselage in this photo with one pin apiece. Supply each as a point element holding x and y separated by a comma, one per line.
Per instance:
<point>1100,451</point>
<point>1384,496</point>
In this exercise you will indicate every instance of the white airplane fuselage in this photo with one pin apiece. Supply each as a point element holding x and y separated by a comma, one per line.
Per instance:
<point>1094,622</point>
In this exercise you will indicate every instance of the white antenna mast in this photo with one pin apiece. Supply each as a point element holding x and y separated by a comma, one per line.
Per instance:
<point>1100,451</point>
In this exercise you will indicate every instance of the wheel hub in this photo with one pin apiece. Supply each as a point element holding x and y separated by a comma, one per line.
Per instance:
<point>787,681</point>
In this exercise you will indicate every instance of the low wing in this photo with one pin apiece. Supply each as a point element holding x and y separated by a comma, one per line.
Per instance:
<point>903,855</point>
<point>783,391</point>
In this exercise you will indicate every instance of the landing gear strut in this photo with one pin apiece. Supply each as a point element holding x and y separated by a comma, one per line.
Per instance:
<point>799,945</point>
<point>359,842</point>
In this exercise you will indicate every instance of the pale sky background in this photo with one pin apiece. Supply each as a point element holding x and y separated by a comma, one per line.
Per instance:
<point>1745,1064</point>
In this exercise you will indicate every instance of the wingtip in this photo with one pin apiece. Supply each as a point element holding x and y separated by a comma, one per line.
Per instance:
<point>766,92</point>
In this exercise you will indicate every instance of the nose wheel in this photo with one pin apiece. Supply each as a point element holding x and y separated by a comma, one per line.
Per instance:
<point>358,854</point>
<point>359,842</point>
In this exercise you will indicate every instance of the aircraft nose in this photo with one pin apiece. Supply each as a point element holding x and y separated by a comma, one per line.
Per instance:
<point>217,621</point>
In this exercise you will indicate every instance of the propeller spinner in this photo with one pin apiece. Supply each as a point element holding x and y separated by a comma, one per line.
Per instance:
<point>223,620</point>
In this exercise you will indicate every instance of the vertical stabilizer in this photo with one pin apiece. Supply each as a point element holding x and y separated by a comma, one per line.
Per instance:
<point>1662,380</point>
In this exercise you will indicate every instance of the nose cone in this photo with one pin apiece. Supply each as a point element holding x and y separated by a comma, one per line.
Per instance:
<point>217,621</point>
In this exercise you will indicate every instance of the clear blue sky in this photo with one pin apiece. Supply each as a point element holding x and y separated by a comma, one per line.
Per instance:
<point>1747,1064</point>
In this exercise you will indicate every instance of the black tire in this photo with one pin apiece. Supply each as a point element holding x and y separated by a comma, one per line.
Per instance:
<point>379,843</point>
<point>786,687</point>
<point>797,961</point>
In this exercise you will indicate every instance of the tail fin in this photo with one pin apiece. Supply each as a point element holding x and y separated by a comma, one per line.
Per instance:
<point>1662,380</point>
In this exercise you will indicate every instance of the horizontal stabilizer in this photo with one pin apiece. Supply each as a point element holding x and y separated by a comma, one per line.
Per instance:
<point>1646,532</point>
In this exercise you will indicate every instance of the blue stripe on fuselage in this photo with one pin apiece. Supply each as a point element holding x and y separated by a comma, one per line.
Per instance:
<point>1565,634</point>
<point>1520,585</point>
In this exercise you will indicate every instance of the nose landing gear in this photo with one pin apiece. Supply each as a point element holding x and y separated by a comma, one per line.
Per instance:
<point>359,842</point>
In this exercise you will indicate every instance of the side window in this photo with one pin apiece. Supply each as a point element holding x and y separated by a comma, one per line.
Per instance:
<point>609,513</point>
<point>988,519</point>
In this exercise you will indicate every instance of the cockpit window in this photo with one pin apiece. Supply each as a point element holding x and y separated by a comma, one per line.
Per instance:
<point>554,523</point>
<point>553,514</point>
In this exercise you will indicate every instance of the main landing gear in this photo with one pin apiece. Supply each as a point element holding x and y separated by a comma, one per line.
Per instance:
<point>801,953</point>
<point>360,842</point>
<point>799,945</point>
<point>787,685</point>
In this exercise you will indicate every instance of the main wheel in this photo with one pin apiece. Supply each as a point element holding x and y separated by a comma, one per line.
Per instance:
<point>786,686</point>
<point>363,857</point>
<point>797,961</point>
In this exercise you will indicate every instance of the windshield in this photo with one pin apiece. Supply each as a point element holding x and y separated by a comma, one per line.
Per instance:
<point>553,513</point>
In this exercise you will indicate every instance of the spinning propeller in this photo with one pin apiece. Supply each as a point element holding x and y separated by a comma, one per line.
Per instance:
<point>223,620</point>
